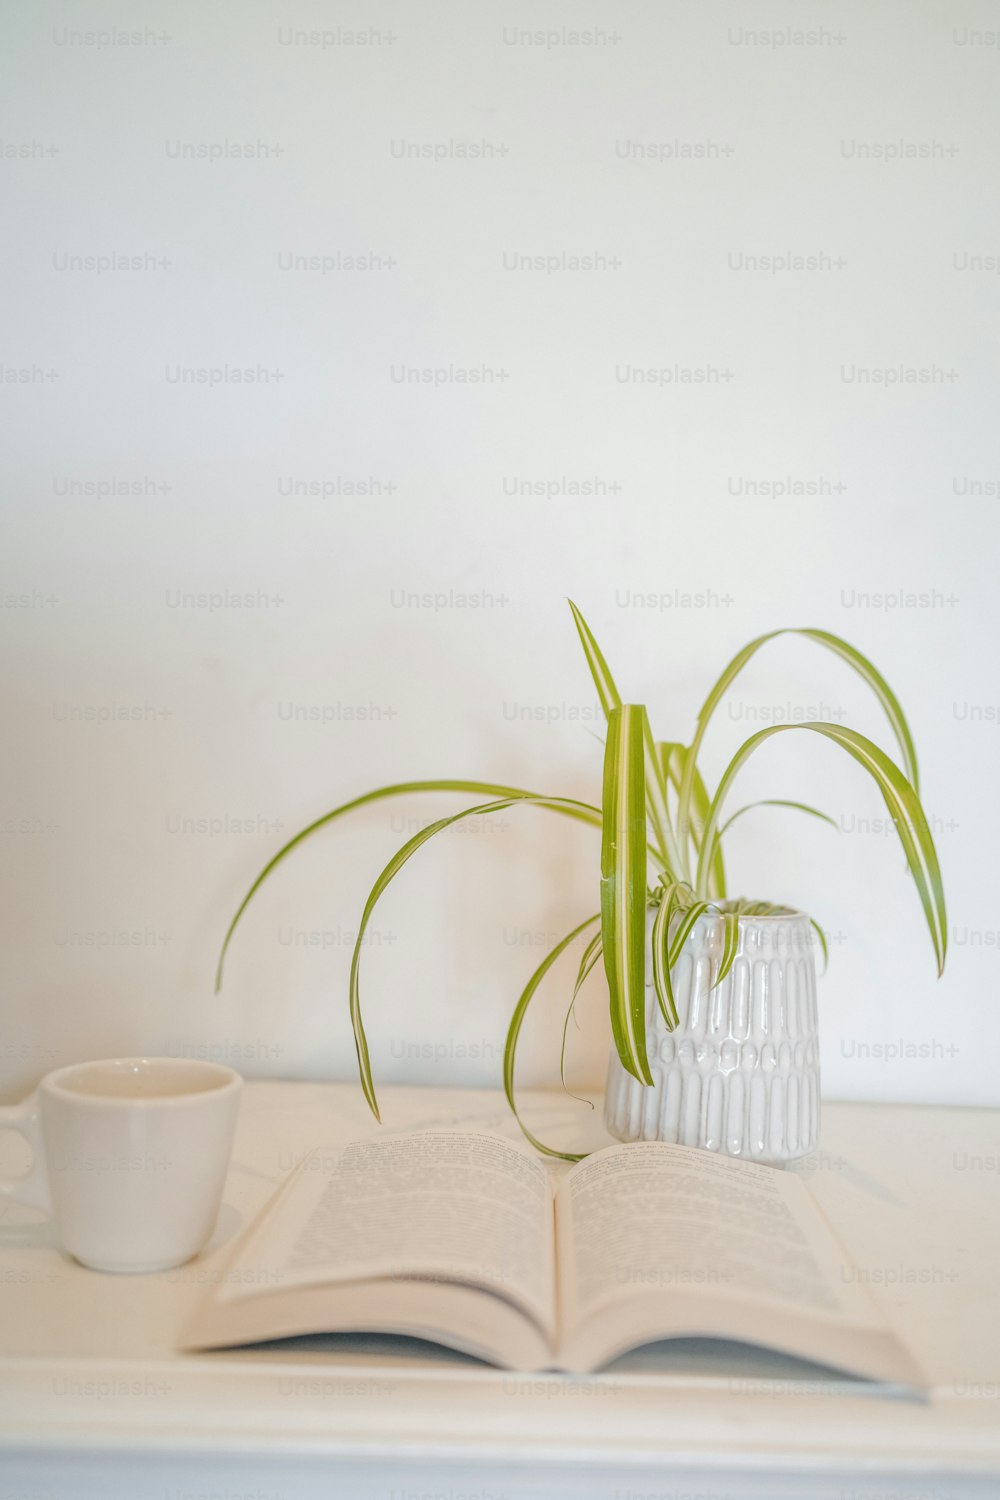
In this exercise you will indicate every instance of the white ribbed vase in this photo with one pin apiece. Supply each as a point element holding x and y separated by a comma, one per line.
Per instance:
<point>740,1074</point>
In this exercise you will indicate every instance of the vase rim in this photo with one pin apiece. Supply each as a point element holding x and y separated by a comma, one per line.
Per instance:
<point>773,916</point>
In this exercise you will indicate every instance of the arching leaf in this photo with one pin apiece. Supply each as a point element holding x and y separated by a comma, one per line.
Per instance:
<point>581,811</point>
<point>392,869</point>
<point>900,799</point>
<point>847,653</point>
<point>514,1032</point>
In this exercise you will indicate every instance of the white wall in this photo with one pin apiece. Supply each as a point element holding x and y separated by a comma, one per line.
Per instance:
<point>97,816</point>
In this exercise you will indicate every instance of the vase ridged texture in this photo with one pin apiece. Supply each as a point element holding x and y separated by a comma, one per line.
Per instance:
<point>740,1073</point>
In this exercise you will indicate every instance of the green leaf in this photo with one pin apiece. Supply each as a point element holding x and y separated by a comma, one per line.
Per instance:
<point>514,1031</point>
<point>730,943</point>
<point>813,812</point>
<point>399,859</point>
<point>683,931</point>
<point>839,647</point>
<point>900,799</point>
<point>822,942</point>
<point>886,697</point>
<point>591,955</point>
<point>673,756</point>
<point>623,885</point>
<point>662,982</point>
<point>668,849</point>
<point>607,692</point>
<point>582,811</point>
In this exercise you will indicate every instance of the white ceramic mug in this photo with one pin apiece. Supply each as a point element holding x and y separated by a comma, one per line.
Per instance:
<point>130,1157</point>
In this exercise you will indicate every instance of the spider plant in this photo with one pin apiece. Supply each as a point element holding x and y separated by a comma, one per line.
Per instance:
<point>661,851</point>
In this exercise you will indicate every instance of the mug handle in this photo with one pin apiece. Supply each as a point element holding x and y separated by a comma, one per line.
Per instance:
<point>33,1188</point>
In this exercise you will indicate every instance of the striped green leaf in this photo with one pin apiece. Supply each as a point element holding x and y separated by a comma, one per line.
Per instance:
<point>822,942</point>
<point>514,1032</point>
<point>730,943</point>
<point>900,799</point>
<point>590,959</point>
<point>392,869</point>
<point>662,983</point>
<point>579,810</point>
<point>673,756</point>
<point>667,848</point>
<point>623,885</point>
<point>591,955</point>
<point>848,654</point>
<point>683,931</point>
<point>607,692</point>
<point>813,812</point>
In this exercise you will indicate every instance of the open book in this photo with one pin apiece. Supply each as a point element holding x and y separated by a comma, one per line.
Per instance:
<point>460,1239</point>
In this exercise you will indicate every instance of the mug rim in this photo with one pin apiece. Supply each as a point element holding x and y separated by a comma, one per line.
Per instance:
<point>229,1082</point>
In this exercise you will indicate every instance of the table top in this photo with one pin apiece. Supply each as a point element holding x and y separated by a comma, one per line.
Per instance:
<point>89,1364</point>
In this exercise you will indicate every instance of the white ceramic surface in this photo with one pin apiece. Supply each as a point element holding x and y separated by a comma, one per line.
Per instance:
<point>130,1157</point>
<point>740,1074</point>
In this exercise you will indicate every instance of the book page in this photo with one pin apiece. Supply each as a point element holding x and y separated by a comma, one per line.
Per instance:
<point>657,1241</point>
<point>451,1313</point>
<point>651,1215</point>
<point>468,1208</point>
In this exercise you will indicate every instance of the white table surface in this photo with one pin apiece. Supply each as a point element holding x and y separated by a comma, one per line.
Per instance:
<point>96,1400</point>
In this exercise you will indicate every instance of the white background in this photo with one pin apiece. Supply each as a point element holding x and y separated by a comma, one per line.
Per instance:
<point>135,719</point>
